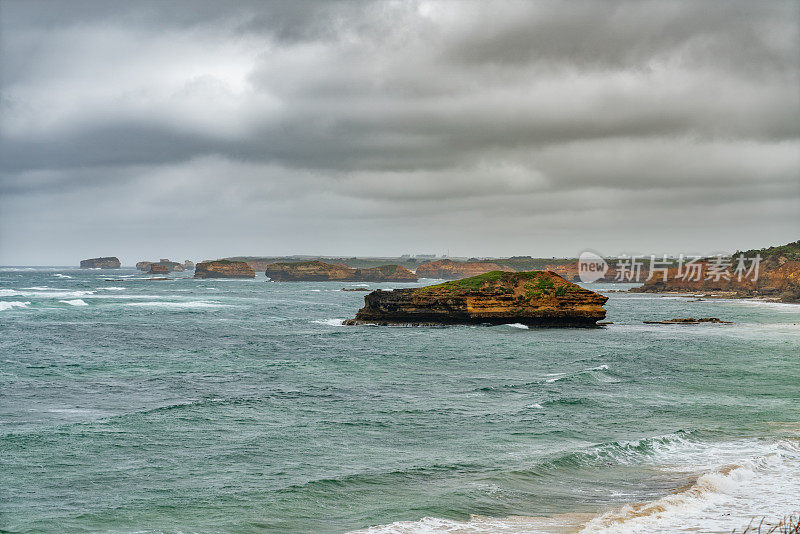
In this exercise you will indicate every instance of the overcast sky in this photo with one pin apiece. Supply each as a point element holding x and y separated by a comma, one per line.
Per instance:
<point>206,129</point>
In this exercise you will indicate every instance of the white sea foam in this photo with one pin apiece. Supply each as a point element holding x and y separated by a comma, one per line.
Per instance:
<point>59,275</point>
<point>8,305</point>
<point>46,293</point>
<point>331,322</point>
<point>560,376</point>
<point>517,325</point>
<point>113,288</point>
<point>188,305</point>
<point>74,302</point>
<point>736,482</point>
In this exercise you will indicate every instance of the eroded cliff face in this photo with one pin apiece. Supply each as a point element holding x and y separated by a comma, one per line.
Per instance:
<point>384,273</point>
<point>167,264</point>
<point>144,265</point>
<point>223,269</point>
<point>317,271</point>
<point>307,271</point>
<point>776,280</point>
<point>535,298</point>
<point>108,262</point>
<point>453,270</point>
<point>157,268</point>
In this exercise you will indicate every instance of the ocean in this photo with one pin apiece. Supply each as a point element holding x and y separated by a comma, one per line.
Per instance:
<point>245,406</point>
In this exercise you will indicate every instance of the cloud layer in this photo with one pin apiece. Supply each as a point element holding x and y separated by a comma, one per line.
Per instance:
<point>485,128</point>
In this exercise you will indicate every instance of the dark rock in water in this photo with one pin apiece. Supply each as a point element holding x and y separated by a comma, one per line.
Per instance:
<point>534,298</point>
<point>317,271</point>
<point>355,289</point>
<point>689,320</point>
<point>109,262</point>
<point>223,269</point>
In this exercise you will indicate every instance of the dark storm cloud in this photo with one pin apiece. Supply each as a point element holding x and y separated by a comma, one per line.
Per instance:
<point>427,113</point>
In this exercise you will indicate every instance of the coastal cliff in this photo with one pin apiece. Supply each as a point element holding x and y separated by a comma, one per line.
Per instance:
<point>223,269</point>
<point>109,262</point>
<point>317,271</point>
<point>453,270</point>
<point>534,298</point>
<point>778,277</point>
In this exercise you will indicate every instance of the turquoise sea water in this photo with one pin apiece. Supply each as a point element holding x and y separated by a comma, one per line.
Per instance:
<point>245,406</point>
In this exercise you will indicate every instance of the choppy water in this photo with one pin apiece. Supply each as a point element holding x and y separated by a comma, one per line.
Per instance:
<point>244,406</point>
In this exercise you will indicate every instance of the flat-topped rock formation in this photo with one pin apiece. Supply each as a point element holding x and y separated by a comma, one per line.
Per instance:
<point>384,273</point>
<point>109,262</point>
<point>455,270</point>
<point>164,262</point>
<point>317,271</point>
<point>223,269</point>
<point>158,268</point>
<point>534,298</point>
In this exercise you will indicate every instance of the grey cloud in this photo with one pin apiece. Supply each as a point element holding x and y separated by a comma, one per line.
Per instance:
<point>423,113</point>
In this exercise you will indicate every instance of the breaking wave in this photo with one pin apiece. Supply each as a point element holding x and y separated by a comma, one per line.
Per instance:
<point>8,305</point>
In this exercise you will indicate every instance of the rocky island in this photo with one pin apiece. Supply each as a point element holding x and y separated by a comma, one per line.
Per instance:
<point>533,298</point>
<point>455,270</point>
<point>109,262</point>
<point>317,271</point>
<point>223,269</point>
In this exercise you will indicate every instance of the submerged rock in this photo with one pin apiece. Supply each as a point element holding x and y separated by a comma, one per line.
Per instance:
<point>317,271</point>
<point>223,269</point>
<point>454,270</point>
<point>690,320</point>
<point>108,262</point>
<point>534,298</point>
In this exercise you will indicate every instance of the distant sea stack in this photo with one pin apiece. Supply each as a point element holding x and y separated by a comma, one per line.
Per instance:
<point>109,262</point>
<point>157,268</point>
<point>317,271</point>
<point>164,262</point>
<point>454,270</point>
<point>533,298</point>
<point>778,277</point>
<point>223,269</point>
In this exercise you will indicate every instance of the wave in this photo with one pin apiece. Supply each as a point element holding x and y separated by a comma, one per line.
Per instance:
<point>50,293</point>
<point>330,322</point>
<point>517,325</point>
<point>59,275</point>
<point>112,288</point>
<point>734,483</point>
<point>74,302</point>
<point>8,305</point>
<point>192,304</point>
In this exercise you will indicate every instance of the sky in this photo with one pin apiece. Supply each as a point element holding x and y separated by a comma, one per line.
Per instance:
<point>206,129</point>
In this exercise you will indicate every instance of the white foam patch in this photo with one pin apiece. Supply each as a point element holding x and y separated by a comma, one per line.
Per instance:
<point>9,305</point>
<point>59,275</point>
<point>517,325</point>
<point>113,288</point>
<point>46,294</point>
<point>74,302</point>
<point>331,322</point>
<point>187,305</point>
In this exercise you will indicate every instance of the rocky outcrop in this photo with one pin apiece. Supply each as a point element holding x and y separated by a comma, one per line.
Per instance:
<point>164,262</point>
<point>534,298</point>
<point>317,271</point>
<point>109,262</point>
<point>158,268</point>
<point>223,269</point>
<point>188,265</point>
<point>307,271</point>
<point>778,279</point>
<point>384,273</point>
<point>455,270</point>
